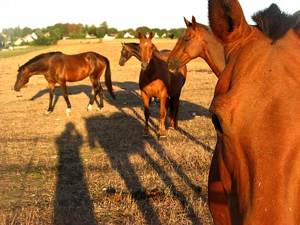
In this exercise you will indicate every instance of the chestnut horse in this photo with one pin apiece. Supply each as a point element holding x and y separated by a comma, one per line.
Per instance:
<point>255,171</point>
<point>133,49</point>
<point>197,41</point>
<point>156,81</point>
<point>60,68</point>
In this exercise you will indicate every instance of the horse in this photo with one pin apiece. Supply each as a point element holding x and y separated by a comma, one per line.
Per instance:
<point>156,81</point>
<point>60,68</point>
<point>133,49</point>
<point>254,175</point>
<point>197,41</point>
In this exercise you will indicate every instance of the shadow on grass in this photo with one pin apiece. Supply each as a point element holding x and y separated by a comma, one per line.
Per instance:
<point>72,90</point>
<point>119,136</point>
<point>72,203</point>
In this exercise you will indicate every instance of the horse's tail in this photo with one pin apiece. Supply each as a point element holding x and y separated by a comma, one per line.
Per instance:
<point>108,78</point>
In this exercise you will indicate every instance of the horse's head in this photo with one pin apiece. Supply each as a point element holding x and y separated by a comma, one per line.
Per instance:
<point>188,46</point>
<point>125,55</point>
<point>256,114</point>
<point>146,48</point>
<point>22,78</point>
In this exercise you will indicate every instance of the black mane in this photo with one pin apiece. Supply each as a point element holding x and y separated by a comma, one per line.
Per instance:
<point>36,58</point>
<point>273,22</point>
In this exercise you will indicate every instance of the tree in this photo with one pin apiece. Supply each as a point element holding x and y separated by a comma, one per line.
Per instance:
<point>26,31</point>
<point>55,35</point>
<point>144,30</point>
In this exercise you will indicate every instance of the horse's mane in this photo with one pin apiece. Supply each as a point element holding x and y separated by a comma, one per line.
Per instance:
<point>132,43</point>
<point>273,22</point>
<point>36,58</point>
<point>203,26</point>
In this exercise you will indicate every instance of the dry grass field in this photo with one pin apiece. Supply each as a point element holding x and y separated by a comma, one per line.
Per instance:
<point>95,167</point>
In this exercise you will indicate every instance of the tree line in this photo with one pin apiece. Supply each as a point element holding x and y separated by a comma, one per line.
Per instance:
<point>51,34</point>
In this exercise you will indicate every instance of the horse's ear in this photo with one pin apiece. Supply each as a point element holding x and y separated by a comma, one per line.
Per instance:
<point>187,23</point>
<point>140,34</point>
<point>151,34</point>
<point>194,23</point>
<point>227,20</point>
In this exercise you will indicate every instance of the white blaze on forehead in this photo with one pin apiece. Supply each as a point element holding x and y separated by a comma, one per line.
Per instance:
<point>146,43</point>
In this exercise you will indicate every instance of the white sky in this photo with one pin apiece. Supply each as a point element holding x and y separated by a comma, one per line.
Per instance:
<point>120,14</point>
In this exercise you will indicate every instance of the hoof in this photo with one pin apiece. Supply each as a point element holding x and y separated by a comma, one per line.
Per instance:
<point>47,113</point>
<point>163,136</point>
<point>98,109</point>
<point>68,110</point>
<point>89,108</point>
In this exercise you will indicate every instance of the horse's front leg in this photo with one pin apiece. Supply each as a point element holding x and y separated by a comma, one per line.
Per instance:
<point>162,116</point>
<point>146,113</point>
<point>51,94</point>
<point>66,97</point>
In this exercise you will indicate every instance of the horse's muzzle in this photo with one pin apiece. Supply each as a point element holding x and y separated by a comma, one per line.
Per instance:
<point>171,67</point>
<point>145,66</point>
<point>17,88</point>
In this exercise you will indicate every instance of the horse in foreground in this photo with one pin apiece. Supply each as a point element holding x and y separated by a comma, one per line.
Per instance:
<point>156,81</point>
<point>197,41</point>
<point>60,68</point>
<point>255,171</point>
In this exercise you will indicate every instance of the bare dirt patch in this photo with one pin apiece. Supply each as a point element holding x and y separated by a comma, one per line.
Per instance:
<point>95,167</point>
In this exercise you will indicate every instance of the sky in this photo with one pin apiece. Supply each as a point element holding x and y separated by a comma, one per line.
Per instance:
<point>120,14</point>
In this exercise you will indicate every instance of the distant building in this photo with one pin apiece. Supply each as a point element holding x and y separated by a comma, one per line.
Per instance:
<point>106,36</point>
<point>128,35</point>
<point>90,36</point>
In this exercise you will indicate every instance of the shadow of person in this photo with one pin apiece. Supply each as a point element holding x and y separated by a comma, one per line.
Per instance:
<point>72,203</point>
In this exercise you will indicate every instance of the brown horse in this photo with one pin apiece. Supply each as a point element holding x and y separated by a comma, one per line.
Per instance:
<point>156,81</point>
<point>60,68</point>
<point>133,49</point>
<point>255,171</point>
<point>197,41</point>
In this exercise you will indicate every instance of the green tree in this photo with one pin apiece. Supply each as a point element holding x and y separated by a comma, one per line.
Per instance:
<point>26,31</point>
<point>55,35</point>
<point>100,32</point>
<point>144,30</point>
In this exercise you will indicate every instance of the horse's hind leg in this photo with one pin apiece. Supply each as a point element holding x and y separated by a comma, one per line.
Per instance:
<point>174,109</point>
<point>146,113</point>
<point>97,90</point>
<point>51,94</point>
<point>65,91</point>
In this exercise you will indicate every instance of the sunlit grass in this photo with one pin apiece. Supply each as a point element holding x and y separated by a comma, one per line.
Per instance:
<point>16,52</point>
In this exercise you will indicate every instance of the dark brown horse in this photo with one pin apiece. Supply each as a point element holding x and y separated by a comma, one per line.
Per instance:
<point>60,68</point>
<point>255,171</point>
<point>197,41</point>
<point>156,81</point>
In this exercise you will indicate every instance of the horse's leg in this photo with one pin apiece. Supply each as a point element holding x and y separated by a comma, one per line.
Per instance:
<point>97,90</point>
<point>174,109</point>
<point>162,116</point>
<point>146,113</point>
<point>66,97</point>
<point>51,94</point>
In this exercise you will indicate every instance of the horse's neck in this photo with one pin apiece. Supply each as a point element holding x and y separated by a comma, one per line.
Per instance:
<point>135,51</point>
<point>37,68</point>
<point>214,54</point>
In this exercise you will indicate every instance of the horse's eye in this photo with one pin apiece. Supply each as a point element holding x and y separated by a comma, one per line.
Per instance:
<point>186,40</point>
<point>216,123</point>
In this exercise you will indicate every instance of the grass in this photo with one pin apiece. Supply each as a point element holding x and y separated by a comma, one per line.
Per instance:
<point>17,52</point>
<point>95,167</point>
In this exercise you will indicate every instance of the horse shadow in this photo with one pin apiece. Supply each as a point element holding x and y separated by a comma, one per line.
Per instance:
<point>129,97</point>
<point>72,203</point>
<point>118,139</point>
<point>72,90</point>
